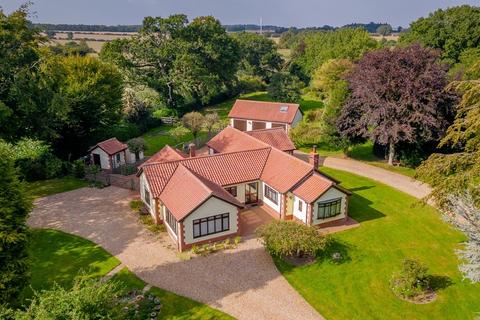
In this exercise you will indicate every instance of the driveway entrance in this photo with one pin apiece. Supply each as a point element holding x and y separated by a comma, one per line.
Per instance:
<point>242,282</point>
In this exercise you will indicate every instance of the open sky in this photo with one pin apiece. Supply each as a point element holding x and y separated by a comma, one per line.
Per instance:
<point>286,13</point>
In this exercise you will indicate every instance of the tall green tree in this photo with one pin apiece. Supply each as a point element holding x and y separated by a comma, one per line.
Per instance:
<point>397,97</point>
<point>318,47</point>
<point>19,63</point>
<point>186,63</point>
<point>330,80</point>
<point>385,30</point>
<point>457,173</point>
<point>90,93</point>
<point>455,177</point>
<point>285,87</point>
<point>259,55</point>
<point>452,30</point>
<point>15,205</point>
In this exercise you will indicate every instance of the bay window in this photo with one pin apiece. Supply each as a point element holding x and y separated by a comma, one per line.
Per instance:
<point>328,209</point>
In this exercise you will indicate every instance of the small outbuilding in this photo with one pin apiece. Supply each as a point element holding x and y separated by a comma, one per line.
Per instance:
<point>111,154</point>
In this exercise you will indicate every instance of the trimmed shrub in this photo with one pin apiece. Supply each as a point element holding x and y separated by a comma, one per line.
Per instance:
<point>78,169</point>
<point>413,280</point>
<point>288,238</point>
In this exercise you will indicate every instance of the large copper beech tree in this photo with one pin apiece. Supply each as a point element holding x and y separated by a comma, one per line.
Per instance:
<point>397,96</point>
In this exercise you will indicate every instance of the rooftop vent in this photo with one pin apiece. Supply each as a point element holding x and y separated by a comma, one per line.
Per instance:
<point>283,109</point>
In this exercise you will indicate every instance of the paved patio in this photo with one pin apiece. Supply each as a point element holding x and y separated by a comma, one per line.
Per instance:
<point>242,282</point>
<point>251,219</point>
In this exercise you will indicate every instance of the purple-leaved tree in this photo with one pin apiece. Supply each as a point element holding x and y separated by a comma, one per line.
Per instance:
<point>397,95</point>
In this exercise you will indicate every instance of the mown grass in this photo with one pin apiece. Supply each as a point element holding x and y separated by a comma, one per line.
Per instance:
<point>394,226</point>
<point>60,257</point>
<point>159,137</point>
<point>173,306</point>
<point>45,188</point>
<point>364,153</point>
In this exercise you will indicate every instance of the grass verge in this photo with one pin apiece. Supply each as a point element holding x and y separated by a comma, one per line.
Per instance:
<point>60,257</point>
<point>45,188</point>
<point>174,306</point>
<point>393,226</point>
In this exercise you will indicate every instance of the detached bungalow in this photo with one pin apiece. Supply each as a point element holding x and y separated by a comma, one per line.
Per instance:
<point>111,154</point>
<point>247,115</point>
<point>200,198</point>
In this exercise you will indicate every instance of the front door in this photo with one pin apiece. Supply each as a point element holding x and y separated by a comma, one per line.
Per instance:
<point>251,193</point>
<point>290,201</point>
<point>96,160</point>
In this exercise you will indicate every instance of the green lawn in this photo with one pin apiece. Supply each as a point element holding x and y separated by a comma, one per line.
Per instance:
<point>393,227</point>
<point>364,153</point>
<point>158,137</point>
<point>60,257</point>
<point>45,188</point>
<point>174,306</point>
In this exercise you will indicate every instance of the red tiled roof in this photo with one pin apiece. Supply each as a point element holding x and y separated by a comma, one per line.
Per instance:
<point>222,169</point>
<point>110,146</point>
<point>167,153</point>
<point>185,183</point>
<point>195,190</point>
<point>266,111</point>
<point>283,171</point>
<point>231,140</point>
<point>276,137</point>
<point>312,188</point>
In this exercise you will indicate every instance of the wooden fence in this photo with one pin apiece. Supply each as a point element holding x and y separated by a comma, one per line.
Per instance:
<point>169,120</point>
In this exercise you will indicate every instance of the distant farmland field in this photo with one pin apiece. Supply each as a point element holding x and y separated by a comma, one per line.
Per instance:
<point>95,40</point>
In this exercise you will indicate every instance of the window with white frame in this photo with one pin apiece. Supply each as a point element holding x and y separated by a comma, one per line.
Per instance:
<point>146,196</point>
<point>271,194</point>
<point>171,221</point>
<point>300,205</point>
<point>211,225</point>
<point>328,209</point>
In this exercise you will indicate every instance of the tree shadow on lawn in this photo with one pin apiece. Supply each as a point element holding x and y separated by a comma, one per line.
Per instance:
<point>360,208</point>
<point>327,256</point>
<point>439,282</point>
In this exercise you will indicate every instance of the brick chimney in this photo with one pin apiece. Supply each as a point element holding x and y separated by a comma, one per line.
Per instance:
<point>191,148</point>
<point>314,158</point>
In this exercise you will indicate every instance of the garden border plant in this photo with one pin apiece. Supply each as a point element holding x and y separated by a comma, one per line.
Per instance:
<point>413,283</point>
<point>296,243</point>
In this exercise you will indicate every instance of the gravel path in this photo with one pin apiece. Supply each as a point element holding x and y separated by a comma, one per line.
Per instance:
<point>242,282</point>
<point>403,183</point>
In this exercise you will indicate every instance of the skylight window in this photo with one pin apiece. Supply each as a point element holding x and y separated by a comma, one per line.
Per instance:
<point>283,109</point>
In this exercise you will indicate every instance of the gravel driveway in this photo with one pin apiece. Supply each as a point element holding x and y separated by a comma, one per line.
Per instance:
<point>403,183</point>
<point>243,282</point>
